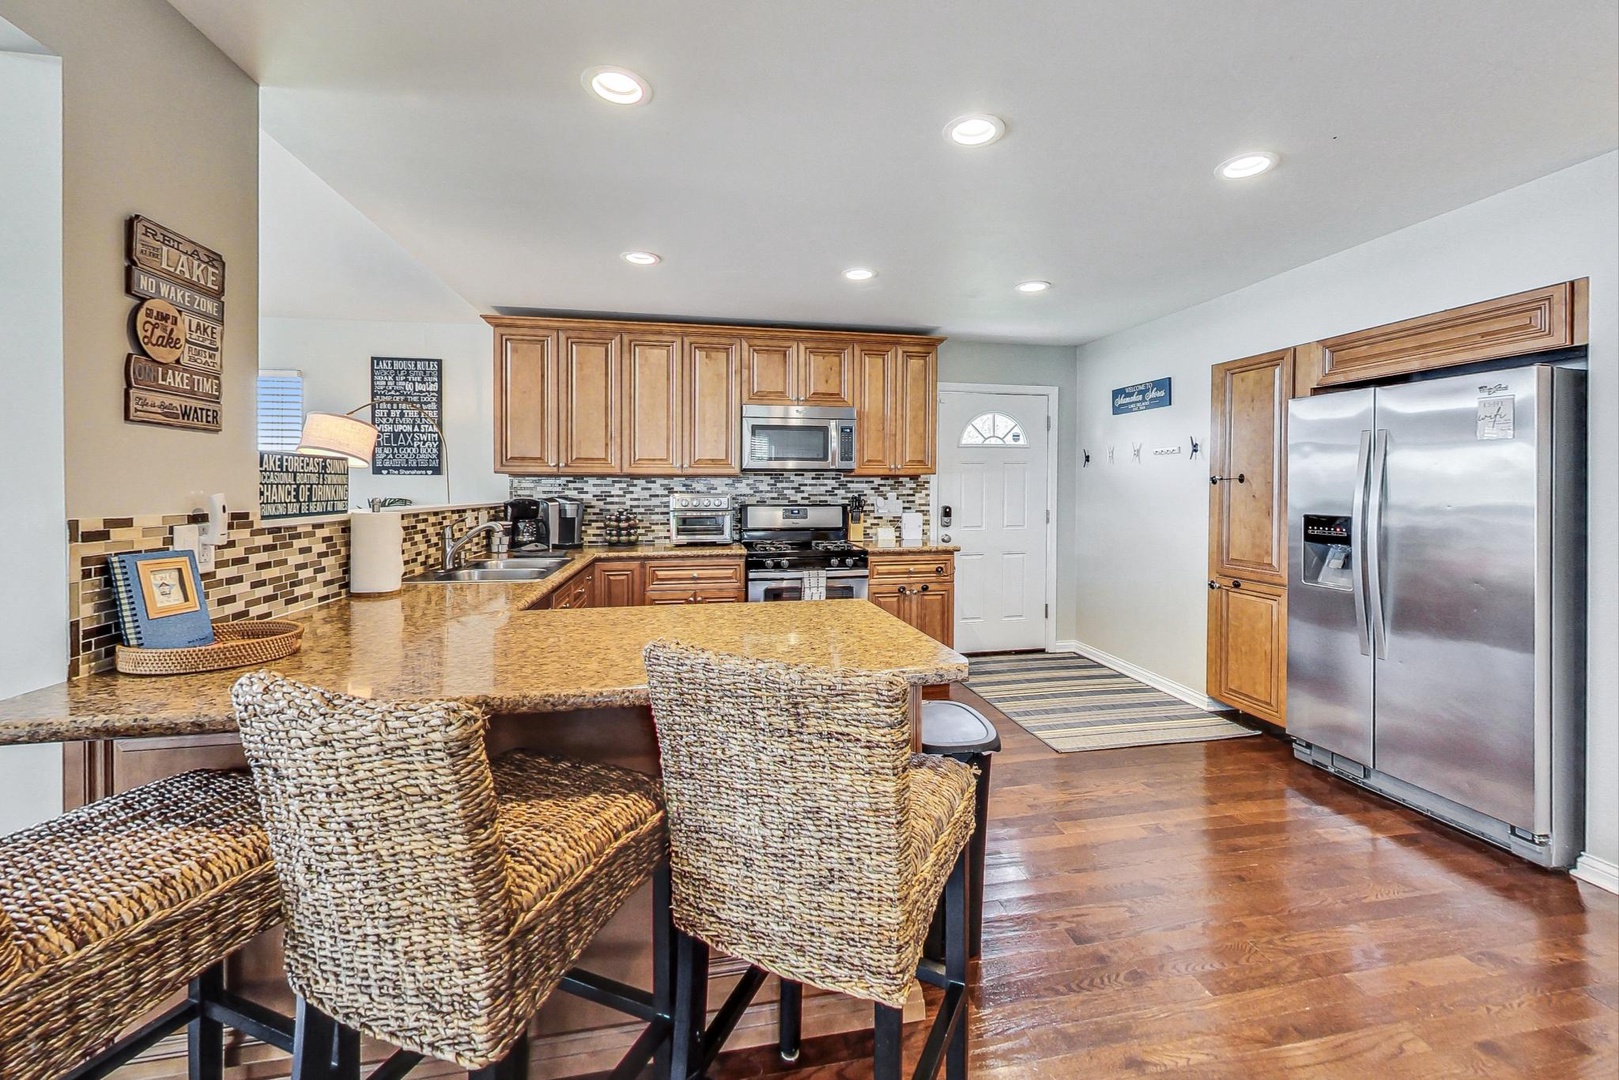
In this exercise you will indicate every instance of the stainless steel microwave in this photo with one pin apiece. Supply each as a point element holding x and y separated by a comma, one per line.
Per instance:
<point>785,437</point>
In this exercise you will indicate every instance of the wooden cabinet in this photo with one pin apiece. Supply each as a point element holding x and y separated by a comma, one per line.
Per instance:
<point>596,397</point>
<point>652,404</point>
<point>712,421</point>
<point>709,580</point>
<point>619,583</point>
<point>896,409</point>
<point>588,408</point>
<point>1248,646</point>
<point>917,588</point>
<point>525,407</point>
<point>1248,467</point>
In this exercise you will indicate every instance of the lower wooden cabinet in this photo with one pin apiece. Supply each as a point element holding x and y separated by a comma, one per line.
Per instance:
<point>695,581</point>
<point>620,583</point>
<point>578,593</point>
<point>1247,664</point>
<point>917,588</point>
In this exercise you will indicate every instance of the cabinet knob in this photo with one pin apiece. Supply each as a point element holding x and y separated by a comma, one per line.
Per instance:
<point>924,588</point>
<point>1213,584</point>
<point>938,569</point>
<point>1235,584</point>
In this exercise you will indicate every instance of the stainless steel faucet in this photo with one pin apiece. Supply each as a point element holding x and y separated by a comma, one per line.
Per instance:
<point>453,546</point>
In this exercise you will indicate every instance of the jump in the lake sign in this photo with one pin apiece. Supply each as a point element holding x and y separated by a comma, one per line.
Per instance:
<point>178,328</point>
<point>407,442</point>
<point>1139,397</point>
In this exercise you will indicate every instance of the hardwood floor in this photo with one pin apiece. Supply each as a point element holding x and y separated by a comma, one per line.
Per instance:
<point>1222,910</point>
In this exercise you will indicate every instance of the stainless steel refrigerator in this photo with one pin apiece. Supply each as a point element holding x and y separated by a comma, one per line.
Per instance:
<point>1436,598</point>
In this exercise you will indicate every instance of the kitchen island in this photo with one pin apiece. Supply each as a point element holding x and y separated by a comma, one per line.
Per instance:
<point>569,682</point>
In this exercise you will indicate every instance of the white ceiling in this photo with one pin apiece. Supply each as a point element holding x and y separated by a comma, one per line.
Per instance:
<point>785,142</point>
<point>14,40</point>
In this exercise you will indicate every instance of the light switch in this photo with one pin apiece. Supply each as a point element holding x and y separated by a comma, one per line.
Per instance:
<point>189,538</point>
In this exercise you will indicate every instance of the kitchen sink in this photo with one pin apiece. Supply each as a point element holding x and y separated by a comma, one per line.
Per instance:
<point>482,573</point>
<point>548,563</point>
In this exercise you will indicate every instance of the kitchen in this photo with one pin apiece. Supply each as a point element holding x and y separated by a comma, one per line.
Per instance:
<point>1096,861</point>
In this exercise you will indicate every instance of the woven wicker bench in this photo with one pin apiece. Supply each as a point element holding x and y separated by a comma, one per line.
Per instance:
<point>112,908</point>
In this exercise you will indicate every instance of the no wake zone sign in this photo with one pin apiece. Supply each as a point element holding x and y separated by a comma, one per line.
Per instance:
<point>173,380</point>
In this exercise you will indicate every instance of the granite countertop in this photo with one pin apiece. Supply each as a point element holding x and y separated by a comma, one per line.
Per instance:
<point>909,549</point>
<point>478,644</point>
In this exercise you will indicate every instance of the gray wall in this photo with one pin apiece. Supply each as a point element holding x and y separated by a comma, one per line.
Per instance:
<point>1033,365</point>
<point>1142,553</point>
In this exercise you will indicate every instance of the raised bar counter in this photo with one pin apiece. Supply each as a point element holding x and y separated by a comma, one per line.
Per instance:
<point>478,644</point>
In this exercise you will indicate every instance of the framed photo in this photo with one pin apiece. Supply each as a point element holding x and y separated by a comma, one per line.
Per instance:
<point>168,588</point>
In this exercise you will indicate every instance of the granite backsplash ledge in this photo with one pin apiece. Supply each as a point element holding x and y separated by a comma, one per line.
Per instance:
<point>647,497</point>
<point>266,568</point>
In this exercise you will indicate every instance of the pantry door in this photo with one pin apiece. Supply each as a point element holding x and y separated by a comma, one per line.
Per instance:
<point>993,498</point>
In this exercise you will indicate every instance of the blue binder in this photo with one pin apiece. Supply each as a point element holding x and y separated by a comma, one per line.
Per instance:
<point>160,600</point>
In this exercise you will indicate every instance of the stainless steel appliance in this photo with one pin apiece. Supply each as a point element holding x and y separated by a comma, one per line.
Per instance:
<point>1436,599</point>
<point>564,522</point>
<point>701,517</point>
<point>787,437</point>
<point>523,517</point>
<point>799,552</point>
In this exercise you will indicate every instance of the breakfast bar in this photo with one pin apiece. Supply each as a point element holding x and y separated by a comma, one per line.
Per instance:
<point>568,682</point>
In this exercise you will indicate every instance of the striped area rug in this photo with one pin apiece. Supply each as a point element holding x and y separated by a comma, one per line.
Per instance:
<point>1072,703</point>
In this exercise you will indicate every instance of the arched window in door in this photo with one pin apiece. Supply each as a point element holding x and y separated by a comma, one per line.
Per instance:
<point>993,429</point>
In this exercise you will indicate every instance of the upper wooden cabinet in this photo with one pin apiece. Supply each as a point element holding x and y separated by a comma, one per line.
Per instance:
<point>896,409</point>
<point>780,371</point>
<point>596,397</point>
<point>712,381</point>
<point>1248,467</point>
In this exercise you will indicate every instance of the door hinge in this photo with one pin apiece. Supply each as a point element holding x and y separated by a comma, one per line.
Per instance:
<point>1048,611</point>
<point>1048,421</point>
<point>1048,516</point>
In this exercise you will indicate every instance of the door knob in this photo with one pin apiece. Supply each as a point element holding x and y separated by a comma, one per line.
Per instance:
<point>944,538</point>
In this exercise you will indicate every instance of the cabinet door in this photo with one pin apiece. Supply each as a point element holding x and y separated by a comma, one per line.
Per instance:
<point>891,600</point>
<point>525,403</point>
<point>652,394</point>
<point>827,376</point>
<point>874,442</point>
<point>933,610</point>
<point>588,407</point>
<point>619,584</point>
<point>1248,647</point>
<point>915,411</point>
<point>1248,439</point>
<point>770,373</point>
<point>713,400</point>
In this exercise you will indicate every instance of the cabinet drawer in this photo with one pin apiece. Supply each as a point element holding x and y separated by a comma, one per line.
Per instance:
<point>693,573</point>
<point>886,570</point>
<point>694,594</point>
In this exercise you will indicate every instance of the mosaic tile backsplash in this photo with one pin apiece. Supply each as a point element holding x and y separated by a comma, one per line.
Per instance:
<point>647,497</point>
<point>264,570</point>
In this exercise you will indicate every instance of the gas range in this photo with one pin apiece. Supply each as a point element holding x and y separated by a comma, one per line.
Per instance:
<point>801,552</point>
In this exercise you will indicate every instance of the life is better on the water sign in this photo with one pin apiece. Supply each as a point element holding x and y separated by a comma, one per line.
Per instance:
<point>1139,397</point>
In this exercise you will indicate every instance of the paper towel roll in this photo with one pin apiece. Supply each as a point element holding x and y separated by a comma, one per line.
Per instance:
<point>376,552</point>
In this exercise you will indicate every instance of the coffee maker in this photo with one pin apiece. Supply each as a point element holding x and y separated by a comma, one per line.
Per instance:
<point>523,518</point>
<point>564,522</point>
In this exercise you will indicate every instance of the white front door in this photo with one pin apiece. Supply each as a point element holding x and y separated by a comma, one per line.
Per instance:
<point>992,492</point>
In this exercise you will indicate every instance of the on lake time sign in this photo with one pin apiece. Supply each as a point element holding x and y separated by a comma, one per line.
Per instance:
<point>178,328</point>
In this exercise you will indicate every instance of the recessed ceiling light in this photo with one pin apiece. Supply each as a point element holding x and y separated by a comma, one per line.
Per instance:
<point>1251,163</point>
<point>617,85</point>
<point>641,258</point>
<point>975,129</point>
<point>859,273</point>
<point>1033,286</point>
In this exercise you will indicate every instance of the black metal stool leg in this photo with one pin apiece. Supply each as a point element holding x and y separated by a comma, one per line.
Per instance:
<point>514,1066</point>
<point>205,1038</point>
<point>312,1042</point>
<point>691,1007</point>
<point>665,966</point>
<point>958,912</point>
<point>790,1020</point>
<point>888,1053</point>
<point>977,848</point>
<point>346,1053</point>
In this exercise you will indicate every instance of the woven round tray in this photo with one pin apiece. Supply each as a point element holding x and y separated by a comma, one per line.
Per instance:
<point>236,644</point>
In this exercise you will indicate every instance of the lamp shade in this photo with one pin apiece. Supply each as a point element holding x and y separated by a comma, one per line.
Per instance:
<point>335,435</point>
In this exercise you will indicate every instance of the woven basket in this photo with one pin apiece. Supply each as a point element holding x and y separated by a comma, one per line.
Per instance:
<point>236,644</point>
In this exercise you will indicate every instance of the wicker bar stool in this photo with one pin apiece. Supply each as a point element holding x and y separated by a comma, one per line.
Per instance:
<point>433,900</point>
<point>807,840</point>
<point>114,907</point>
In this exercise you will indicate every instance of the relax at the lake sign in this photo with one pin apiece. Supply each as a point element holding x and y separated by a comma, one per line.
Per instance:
<point>1139,397</point>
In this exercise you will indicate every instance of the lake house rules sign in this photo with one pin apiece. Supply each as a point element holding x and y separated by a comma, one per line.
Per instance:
<point>1139,397</point>
<point>408,410</point>
<point>178,327</point>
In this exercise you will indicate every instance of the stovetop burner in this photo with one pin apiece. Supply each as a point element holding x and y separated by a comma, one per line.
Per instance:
<point>773,546</point>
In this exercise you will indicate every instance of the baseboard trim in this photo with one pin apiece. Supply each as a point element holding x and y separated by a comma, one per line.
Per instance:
<point>1151,678</point>
<point>1599,872</point>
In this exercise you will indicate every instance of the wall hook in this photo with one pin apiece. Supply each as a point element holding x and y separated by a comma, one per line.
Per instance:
<point>1085,458</point>
<point>1193,455</point>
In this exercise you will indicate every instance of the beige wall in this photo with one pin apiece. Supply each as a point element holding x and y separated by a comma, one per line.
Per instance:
<point>156,121</point>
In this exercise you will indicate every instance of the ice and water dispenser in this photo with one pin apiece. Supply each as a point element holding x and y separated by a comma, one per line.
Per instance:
<point>1327,560</point>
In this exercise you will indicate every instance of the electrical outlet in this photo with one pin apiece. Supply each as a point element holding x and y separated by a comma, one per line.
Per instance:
<point>189,538</point>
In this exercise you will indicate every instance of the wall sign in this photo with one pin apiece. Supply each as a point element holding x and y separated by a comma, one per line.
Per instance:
<point>1139,397</point>
<point>302,485</point>
<point>407,444</point>
<point>174,379</point>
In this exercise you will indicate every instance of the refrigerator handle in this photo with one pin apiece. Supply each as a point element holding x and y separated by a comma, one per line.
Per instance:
<point>1357,543</point>
<point>1374,544</point>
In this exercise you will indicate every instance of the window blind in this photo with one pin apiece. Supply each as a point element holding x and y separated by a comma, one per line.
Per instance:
<point>281,410</point>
